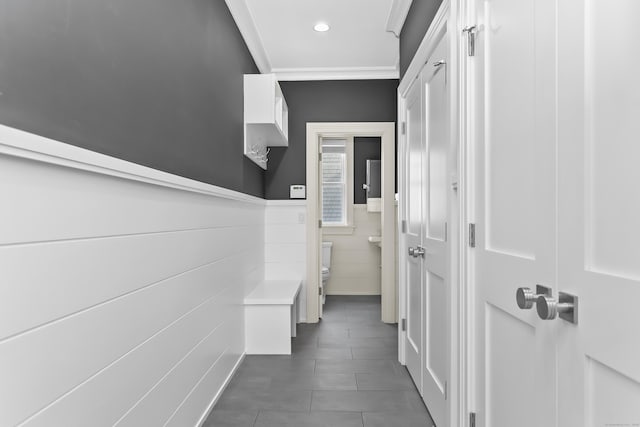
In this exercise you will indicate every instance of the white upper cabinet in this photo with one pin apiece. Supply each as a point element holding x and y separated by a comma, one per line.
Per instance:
<point>266,117</point>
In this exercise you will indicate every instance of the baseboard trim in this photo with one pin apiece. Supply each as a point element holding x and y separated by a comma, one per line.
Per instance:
<point>215,399</point>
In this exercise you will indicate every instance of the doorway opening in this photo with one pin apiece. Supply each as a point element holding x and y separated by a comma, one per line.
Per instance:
<point>350,209</point>
<point>341,214</point>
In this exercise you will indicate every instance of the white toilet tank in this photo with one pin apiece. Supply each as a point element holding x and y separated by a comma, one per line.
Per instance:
<point>326,254</point>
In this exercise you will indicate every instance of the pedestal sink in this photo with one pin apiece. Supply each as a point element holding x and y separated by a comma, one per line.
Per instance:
<point>376,239</point>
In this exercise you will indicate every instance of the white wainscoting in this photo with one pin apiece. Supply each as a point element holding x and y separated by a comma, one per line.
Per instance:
<point>355,262</point>
<point>121,289</point>
<point>286,244</point>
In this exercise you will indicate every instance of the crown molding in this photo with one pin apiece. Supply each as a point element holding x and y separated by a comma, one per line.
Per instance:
<point>348,73</point>
<point>242,15</point>
<point>397,16</point>
<point>246,24</point>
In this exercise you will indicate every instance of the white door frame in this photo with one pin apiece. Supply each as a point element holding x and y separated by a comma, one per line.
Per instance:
<point>449,18</point>
<point>386,131</point>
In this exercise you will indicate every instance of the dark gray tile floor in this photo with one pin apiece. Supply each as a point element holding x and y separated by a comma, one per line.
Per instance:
<point>343,373</point>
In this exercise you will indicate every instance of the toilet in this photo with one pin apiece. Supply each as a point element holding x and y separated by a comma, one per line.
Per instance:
<point>326,266</point>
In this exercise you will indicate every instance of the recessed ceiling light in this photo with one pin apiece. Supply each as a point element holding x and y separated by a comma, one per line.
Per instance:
<point>321,27</point>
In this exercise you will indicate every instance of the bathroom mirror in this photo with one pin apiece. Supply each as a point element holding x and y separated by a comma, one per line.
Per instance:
<point>373,186</point>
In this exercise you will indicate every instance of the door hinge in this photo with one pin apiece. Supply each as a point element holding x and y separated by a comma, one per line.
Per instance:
<point>446,227</point>
<point>403,128</point>
<point>319,157</point>
<point>404,226</point>
<point>471,39</point>
<point>403,324</point>
<point>472,419</point>
<point>445,390</point>
<point>472,235</point>
<point>319,223</point>
<point>320,291</point>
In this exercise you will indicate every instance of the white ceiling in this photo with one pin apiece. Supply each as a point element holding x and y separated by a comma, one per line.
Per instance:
<point>359,45</point>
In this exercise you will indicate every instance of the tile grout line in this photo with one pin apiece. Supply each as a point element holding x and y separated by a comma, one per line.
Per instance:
<point>335,359</point>
<point>315,365</point>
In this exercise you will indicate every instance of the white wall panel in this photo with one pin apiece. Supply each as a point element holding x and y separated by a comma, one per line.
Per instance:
<point>96,270</point>
<point>284,253</point>
<point>355,262</point>
<point>285,233</point>
<point>49,202</point>
<point>160,404</point>
<point>286,244</point>
<point>284,270</point>
<point>122,287</point>
<point>83,406</point>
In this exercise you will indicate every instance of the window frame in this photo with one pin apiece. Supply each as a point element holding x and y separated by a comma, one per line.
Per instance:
<point>347,227</point>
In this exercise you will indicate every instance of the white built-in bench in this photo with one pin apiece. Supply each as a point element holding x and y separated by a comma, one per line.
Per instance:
<point>271,315</point>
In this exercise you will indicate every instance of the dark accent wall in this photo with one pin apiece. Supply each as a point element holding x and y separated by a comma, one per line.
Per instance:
<point>364,148</point>
<point>324,101</point>
<point>155,82</point>
<point>415,27</point>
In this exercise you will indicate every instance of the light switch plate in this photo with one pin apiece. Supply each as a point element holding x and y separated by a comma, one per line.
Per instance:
<point>298,192</point>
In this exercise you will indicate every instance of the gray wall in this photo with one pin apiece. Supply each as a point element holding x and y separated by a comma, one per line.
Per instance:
<point>324,101</point>
<point>363,148</point>
<point>155,82</point>
<point>415,27</point>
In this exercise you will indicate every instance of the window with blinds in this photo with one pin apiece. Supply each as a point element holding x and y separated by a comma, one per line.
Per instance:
<point>334,182</point>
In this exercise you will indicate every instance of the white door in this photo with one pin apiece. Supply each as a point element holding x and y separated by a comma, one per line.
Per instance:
<point>512,122</point>
<point>414,173</point>
<point>435,260</point>
<point>599,212</point>
<point>427,191</point>
<point>557,103</point>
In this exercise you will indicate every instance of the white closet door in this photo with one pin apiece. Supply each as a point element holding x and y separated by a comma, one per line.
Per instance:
<point>414,210</point>
<point>437,287</point>
<point>515,180</point>
<point>599,212</point>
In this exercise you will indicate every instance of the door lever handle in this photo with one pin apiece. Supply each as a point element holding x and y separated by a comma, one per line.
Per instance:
<point>525,298</point>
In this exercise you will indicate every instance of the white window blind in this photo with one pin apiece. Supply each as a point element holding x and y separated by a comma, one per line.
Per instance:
<point>334,182</point>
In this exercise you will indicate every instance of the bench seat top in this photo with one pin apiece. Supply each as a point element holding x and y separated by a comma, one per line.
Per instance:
<point>274,292</point>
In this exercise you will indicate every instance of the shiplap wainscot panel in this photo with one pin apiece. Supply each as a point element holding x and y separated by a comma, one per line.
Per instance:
<point>355,262</point>
<point>121,290</point>
<point>286,244</point>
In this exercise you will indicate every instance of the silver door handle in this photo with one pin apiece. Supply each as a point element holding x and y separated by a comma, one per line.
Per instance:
<point>566,306</point>
<point>525,298</point>
<point>416,252</point>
